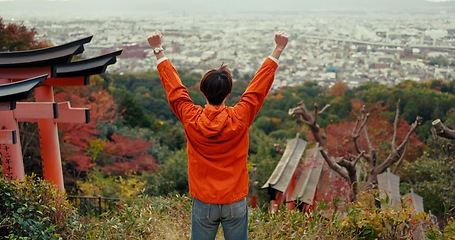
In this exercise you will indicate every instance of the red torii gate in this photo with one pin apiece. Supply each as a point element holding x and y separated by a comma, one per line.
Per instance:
<point>11,156</point>
<point>54,67</point>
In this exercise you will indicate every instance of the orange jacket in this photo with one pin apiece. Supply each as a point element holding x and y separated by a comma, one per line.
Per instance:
<point>217,136</point>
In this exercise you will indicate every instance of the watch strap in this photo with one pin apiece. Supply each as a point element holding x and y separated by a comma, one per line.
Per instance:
<point>157,50</point>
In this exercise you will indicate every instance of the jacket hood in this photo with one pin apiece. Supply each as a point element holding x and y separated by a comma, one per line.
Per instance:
<point>213,119</point>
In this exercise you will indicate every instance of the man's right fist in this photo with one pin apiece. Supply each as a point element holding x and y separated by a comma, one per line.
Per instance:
<point>155,39</point>
<point>281,39</point>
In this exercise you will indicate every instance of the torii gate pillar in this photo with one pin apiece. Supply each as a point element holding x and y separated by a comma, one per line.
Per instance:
<point>12,164</point>
<point>50,146</point>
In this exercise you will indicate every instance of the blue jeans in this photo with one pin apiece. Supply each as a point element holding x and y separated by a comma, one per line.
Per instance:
<point>206,218</point>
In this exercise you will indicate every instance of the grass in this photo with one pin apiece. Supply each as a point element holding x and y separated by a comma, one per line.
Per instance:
<point>170,218</point>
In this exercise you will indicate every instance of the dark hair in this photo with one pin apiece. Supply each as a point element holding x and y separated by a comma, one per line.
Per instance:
<point>216,84</point>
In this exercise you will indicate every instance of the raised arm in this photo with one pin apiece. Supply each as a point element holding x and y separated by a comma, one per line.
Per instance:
<point>281,40</point>
<point>155,41</point>
<point>177,94</point>
<point>252,99</point>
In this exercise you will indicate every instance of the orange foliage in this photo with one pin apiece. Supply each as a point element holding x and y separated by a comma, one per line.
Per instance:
<point>277,96</point>
<point>338,89</point>
<point>276,120</point>
<point>356,104</point>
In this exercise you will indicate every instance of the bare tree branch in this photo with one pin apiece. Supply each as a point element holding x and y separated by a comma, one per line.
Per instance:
<point>300,118</point>
<point>349,166</point>
<point>365,132</point>
<point>323,109</point>
<point>358,158</point>
<point>302,114</point>
<point>395,124</point>
<point>362,117</point>
<point>334,165</point>
<point>315,114</point>
<point>367,138</point>
<point>400,161</point>
<point>356,133</point>
<point>443,131</point>
<point>395,155</point>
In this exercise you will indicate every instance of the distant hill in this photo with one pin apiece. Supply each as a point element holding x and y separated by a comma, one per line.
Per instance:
<point>142,8</point>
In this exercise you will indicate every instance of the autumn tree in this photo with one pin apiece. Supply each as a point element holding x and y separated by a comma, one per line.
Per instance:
<point>344,163</point>
<point>16,37</point>
<point>123,155</point>
<point>338,89</point>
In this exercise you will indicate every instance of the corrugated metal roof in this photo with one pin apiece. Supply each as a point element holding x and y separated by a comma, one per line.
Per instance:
<point>281,176</point>
<point>309,178</point>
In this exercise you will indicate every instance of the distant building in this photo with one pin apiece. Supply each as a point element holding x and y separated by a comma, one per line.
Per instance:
<point>130,51</point>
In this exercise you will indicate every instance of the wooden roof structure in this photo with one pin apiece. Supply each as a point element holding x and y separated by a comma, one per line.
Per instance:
<point>307,183</point>
<point>281,176</point>
<point>56,62</point>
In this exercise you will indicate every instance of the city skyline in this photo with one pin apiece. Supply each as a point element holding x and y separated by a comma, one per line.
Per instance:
<point>345,43</point>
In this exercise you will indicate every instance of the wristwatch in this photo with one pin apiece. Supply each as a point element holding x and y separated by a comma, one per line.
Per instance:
<point>157,50</point>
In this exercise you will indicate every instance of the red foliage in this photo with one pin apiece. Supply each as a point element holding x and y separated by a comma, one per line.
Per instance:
<point>77,136</point>
<point>380,132</point>
<point>331,185</point>
<point>128,155</point>
<point>119,155</point>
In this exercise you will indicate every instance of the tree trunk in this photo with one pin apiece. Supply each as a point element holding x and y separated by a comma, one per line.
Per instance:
<point>442,130</point>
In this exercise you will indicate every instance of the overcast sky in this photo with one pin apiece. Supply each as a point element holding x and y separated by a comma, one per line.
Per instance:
<point>50,7</point>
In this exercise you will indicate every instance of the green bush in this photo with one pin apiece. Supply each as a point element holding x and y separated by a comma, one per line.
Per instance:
<point>170,178</point>
<point>98,183</point>
<point>34,209</point>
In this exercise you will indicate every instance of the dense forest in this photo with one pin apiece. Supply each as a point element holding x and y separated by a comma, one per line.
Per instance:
<point>135,145</point>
